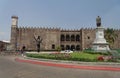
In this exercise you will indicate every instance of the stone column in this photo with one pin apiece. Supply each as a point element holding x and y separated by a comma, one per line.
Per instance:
<point>82,41</point>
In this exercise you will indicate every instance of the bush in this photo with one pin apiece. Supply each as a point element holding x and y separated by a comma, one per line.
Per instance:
<point>93,52</point>
<point>100,58</point>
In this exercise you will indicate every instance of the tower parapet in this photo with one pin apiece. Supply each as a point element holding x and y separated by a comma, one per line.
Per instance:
<point>14,21</point>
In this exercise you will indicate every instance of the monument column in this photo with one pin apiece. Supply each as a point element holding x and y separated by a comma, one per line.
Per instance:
<point>14,27</point>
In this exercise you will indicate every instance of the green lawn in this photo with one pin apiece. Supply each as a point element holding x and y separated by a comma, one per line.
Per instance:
<point>84,56</point>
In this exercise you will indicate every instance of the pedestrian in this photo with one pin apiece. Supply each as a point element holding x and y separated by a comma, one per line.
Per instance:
<point>23,51</point>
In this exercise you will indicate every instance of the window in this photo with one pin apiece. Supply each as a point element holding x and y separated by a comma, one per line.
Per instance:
<point>78,47</point>
<point>62,47</point>
<point>53,46</point>
<point>88,37</point>
<point>72,47</point>
<point>67,47</point>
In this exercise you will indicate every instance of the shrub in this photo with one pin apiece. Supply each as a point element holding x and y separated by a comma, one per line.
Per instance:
<point>101,53</point>
<point>100,58</point>
<point>105,58</point>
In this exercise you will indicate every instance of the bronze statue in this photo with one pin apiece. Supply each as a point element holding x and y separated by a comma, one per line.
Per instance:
<point>98,21</point>
<point>38,41</point>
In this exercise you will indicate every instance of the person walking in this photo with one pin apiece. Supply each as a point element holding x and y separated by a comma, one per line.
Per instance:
<point>23,51</point>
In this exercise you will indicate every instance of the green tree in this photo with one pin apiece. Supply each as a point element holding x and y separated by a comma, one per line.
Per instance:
<point>58,48</point>
<point>110,36</point>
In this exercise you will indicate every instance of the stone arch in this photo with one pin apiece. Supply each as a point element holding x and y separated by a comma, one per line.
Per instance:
<point>67,47</point>
<point>72,37</point>
<point>77,37</point>
<point>67,37</point>
<point>77,47</point>
<point>62,47</point>
<point>62,37</point>
<point>72,47</point>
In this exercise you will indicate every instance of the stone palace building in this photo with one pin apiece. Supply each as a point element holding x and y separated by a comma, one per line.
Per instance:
<point>52,38</point>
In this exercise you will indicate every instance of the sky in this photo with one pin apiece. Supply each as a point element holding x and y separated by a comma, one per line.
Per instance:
<point>64,14</point>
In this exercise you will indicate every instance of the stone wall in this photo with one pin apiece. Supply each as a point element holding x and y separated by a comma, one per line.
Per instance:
<point>49,37</point>
<point>52,38</point>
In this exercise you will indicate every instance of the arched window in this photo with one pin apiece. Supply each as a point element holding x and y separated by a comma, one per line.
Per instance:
<point>62,37</point>
<point>78,47</point>
<point>67,38</point>
<point>67,47</point>
<point>72,47</point>
<point>77,37</point>
<point>72,38</point>
<point>62,47</point>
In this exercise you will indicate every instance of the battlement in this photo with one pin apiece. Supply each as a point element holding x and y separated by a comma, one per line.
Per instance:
<point>39,28</point>
<point>70,30</point>
<point>88,29</point>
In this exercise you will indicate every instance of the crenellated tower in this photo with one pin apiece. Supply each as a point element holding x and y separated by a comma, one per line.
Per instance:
<point>14,27</point>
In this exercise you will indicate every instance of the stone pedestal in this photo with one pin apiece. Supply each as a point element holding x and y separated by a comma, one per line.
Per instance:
<point>100,43</point>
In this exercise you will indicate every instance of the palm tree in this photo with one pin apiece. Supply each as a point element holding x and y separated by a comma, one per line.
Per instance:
<point>110,36</point>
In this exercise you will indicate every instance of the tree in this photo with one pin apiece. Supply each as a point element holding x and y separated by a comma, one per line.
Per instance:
<point>110,36</point>
<point>58,48</point>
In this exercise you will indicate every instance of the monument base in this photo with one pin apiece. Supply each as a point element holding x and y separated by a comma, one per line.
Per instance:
<point>100,47</point>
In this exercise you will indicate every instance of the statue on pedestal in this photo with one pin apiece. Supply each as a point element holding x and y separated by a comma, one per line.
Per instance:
<point>100,43</point>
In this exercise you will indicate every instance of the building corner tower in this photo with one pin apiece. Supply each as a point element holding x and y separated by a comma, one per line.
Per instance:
<point>14,27</point>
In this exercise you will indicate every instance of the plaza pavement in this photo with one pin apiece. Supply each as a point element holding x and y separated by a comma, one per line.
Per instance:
<point>106,66</point>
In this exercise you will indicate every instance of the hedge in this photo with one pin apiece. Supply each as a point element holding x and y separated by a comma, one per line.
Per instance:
<point>80,56</point>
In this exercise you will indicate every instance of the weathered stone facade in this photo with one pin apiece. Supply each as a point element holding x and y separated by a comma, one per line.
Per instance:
<point>53,37</point>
